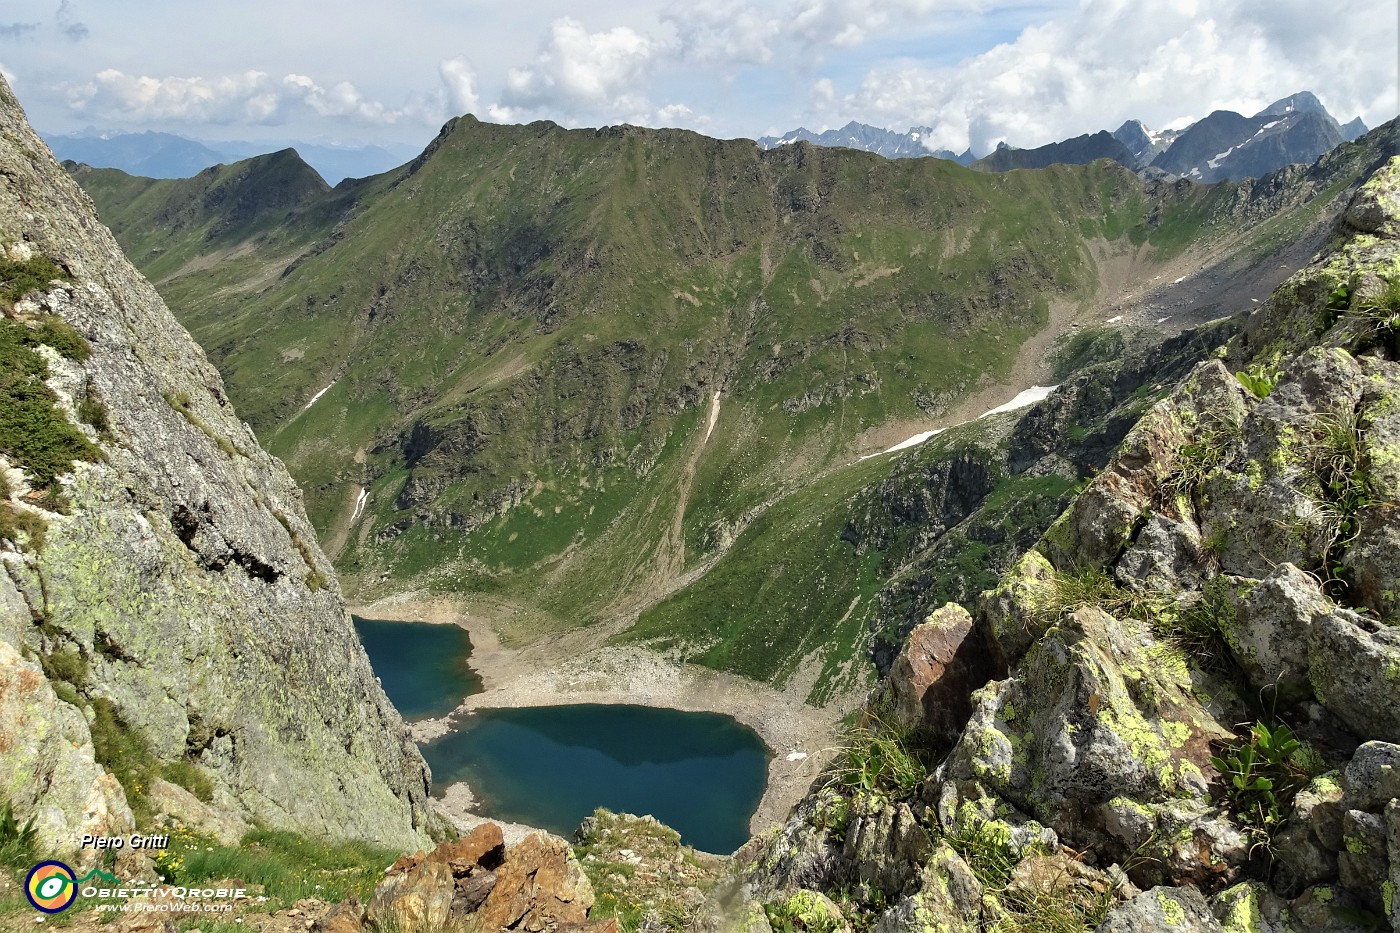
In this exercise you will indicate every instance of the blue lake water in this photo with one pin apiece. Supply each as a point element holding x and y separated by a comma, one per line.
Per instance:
<point>423,667</point>
<point>700,773</point>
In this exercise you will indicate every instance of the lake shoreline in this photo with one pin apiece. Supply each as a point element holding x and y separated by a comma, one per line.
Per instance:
<point>567,670</point>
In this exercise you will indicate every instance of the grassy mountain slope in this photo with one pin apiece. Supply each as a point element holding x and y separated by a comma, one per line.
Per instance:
<point>568,369</point>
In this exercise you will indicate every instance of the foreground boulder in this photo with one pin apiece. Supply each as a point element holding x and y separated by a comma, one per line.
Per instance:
<point>479,884</point>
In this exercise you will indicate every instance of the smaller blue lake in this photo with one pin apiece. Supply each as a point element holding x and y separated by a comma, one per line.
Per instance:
<point>423,667</point>
<point>700,773</point>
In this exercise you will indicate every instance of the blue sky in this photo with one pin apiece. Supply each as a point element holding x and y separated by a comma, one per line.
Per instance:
<point>978,71</point>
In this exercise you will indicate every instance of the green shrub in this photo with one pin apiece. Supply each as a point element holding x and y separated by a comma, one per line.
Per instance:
<point>18,846</point>
<point>19,278</point>
<point>66,664</point>
<point>15,522</point>
<point>91,411</point>
<point>191,777</point>
<point>287,866</point>
<point>877,758</point>
<point>1198,630</point>
<point>1264,775</point>
<point>53,331</point>
<point>1337,458</point>
<point>125,754</point>
<point>1259,379</point>
<point>34,432</point>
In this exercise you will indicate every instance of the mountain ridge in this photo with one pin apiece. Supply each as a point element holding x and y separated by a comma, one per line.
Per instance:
<point>518,339</point>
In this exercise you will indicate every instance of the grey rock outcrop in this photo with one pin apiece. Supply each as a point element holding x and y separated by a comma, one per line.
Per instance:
<point>1228,573</point>
<point>1161,909</point>
<point>181,582</point>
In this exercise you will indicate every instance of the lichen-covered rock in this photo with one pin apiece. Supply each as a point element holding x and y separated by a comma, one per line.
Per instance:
<point>1162,909</point>
<point>1326,908</point>
<point>948,899</point>
<point>172,804</point>
<point>47,769</point>
<point>1177,840</point>
<point>1011,611</point>
<point>800,854</point>
<point>810,910</point>
<point>1096,711</point>
<point>420,899</point>
<point>1372,560</point>
<point>1165,557</point>
<point>1375,208</point>
<point>1268,634</point>
<point>1267,509</point>
<point>1354,669</point>
<point>185,577</point>
<point>932,679</point>
<point>1364,861</point>
<point>1390,888</point>
<point>1101,523</point>
<point>1307,843</point>
<point>886,843</point>
<point>1250,907</point>
<point>1372,777</point>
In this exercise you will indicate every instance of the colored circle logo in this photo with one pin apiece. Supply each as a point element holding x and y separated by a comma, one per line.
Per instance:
<point>51,887</point>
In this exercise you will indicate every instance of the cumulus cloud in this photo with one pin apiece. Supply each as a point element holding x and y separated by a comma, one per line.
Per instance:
<point>459,81</point>
<point>578,72</point>
<point>748,32</point>
<point>847,23</point>
<point>732,32</point>
<point>1161,61</point>
<point>250,97</point>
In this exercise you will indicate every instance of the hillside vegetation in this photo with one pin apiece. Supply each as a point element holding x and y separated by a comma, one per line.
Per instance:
<point>564,371</point>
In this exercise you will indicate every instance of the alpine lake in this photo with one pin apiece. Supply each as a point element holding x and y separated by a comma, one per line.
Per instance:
<point>550,766</point>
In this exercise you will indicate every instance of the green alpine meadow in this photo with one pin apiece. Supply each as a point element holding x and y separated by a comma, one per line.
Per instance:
<point>621,379</point>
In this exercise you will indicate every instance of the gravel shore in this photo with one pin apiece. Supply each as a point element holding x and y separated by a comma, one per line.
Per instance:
<point>569,670</point>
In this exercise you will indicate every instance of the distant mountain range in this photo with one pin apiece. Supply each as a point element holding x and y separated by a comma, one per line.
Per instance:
<point>1224,145</point>
<point>887,143</point>
<point>167,155</point>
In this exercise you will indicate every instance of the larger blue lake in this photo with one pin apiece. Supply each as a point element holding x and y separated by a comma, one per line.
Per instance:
<point>700,773</point>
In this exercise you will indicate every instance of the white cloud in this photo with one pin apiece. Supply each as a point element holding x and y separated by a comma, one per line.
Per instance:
<point>727,32</point>
<point>339,100</point>
<point>459,79</point>
<point>250,97</point>
<point>578,72</point>
<point>1112,60</point>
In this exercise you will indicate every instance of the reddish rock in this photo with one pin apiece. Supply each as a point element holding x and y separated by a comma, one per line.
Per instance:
<point>538,887</point>
<point>592,926</point>
<point>345,917</point>
<point>943,661</point>
<point>419,899</point>
<point>406,863</point>
<point>483,847</point>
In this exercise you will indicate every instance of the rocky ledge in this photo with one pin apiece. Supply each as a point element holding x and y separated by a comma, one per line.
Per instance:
<point>1184,703</point>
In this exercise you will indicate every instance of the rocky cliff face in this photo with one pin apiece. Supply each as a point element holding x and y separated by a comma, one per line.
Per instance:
<point>166,616</point>
<point>1187,714</point>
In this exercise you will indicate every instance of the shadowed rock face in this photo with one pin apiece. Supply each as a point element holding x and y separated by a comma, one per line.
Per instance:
<point>180,586</point>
